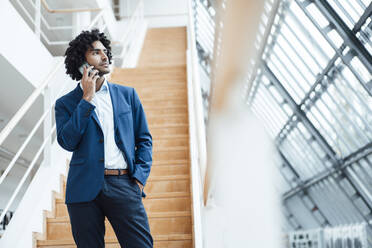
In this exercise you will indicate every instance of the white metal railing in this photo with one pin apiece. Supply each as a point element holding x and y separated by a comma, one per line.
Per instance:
<point>44,3</point>
<point>129,38</point>
<point>197,134</point>
<point>12,124</point>
<point>43,87</point>
<point>40,18</point>
<point>199,122</point>
<point>266,23</point>
<point>16,118</point>
<point>4,222</point>
<point>230,185</point>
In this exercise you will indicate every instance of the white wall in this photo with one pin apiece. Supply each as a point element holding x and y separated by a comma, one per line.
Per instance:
<point>38,197</point>
<point>165,7</point>
<point>24,51</point>
<point>24,64</point>
<point>166,13</point>
<point>159,13</point>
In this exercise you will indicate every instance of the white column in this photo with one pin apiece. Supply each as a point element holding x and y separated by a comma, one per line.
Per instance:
<point>80,21</point>
<point>37,18</point>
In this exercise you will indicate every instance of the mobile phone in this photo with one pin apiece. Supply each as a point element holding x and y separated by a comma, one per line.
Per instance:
<point>81,68</point>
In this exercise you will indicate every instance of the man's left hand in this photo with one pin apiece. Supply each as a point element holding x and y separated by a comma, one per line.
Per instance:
<point>139,184</point>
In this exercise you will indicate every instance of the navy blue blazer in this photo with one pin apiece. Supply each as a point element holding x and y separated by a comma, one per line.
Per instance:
<point>79,131</point>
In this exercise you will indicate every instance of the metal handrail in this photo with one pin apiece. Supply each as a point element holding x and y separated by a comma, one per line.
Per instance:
<point>270,23</point>
<point>197,129</point>
<point>206,27</point>
<point>31,99</point>
<point>45,5</point>
<point>19,115</point>
<point>47,24</point>
<point>24,108</point>
<point>202,150</point>
<point>136,10</point>
<point>25,143</point>
<point>49,27</point>
<point>27,172</point>
<point>124,37</point>
<point>125,40</point>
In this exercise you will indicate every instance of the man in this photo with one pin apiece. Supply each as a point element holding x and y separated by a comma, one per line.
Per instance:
<point>105,127</point>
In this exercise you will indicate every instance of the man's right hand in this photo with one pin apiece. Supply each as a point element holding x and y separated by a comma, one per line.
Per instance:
<point>89,83</point>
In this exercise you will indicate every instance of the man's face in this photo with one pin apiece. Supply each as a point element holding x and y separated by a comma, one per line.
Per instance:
<point>97,57</point>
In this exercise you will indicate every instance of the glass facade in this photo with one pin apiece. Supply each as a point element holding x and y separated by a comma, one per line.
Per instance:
<point>313,92</point>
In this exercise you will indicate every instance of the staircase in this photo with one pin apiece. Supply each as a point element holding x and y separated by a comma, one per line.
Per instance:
<point>160,81</point>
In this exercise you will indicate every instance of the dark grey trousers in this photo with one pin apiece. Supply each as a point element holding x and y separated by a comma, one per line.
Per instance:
<point>120,201</point>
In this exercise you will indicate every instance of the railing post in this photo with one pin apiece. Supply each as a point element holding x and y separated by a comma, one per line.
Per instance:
<point>47,127</point>
<point>80,21</point>
<point>37,18</point>
<point>142,11</point>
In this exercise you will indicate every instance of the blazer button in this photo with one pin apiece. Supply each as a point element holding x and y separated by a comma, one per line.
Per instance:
<point>101,160</point>
<point>100,140</point>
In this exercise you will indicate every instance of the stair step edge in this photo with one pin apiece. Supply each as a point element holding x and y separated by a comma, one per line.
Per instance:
<point>170,125</point>
<point>170,237</point>
<point>168,178</point>
<point>150,195</point>
<point>167,195</point>
<point>172,148</point>
<point>162,107</point>
<point>173,136</point>
<point>151,215</point>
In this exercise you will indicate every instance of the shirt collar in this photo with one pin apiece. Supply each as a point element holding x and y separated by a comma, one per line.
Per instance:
<point>104,87</point>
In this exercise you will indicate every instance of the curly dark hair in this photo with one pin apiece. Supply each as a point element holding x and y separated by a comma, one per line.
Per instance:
<point>75,53</point>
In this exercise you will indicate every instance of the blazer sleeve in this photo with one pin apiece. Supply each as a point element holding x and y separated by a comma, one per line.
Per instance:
<point>143,142</point>
<point>71,127</point>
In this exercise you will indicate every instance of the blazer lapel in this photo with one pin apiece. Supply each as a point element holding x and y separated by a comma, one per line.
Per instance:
<point>95,117</point>
<point>79,95</point>
<point>114,101</point>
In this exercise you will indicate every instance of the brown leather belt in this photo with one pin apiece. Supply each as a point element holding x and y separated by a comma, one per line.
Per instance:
<point>115,172</point>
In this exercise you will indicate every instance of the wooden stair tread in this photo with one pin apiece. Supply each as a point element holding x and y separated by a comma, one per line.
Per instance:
<point>174,148</point>
<point>180,102</point>
<point>183,106</point>
<point>170,162</point>
<point>139,82</point>
<point>168,178</point>
<point>150,68</point>
<point>171,214</point>
<point>159,87</point>
<point>156,90</point>
<point>144,72</point>
<point>174,136</point>
<point>114,240</point>
<point>170,125</point>
<point>164,46</point>
<point>155,195</point>
<point>170,115</point>
<point>167,195</point>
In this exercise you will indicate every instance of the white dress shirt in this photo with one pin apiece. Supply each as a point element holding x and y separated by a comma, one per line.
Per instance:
<point>114,157</point>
